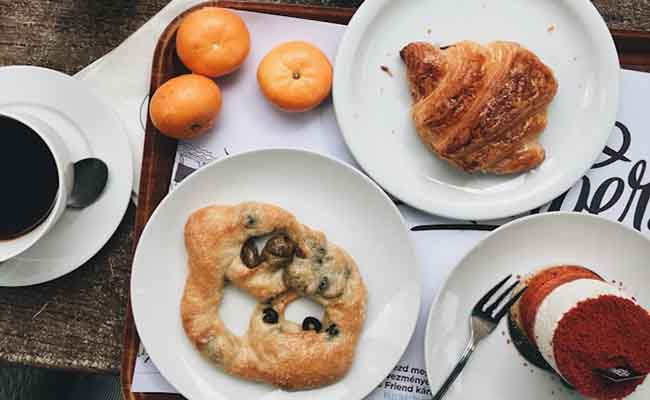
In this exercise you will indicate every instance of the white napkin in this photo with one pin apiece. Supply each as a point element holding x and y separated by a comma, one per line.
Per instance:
<point>121,77</point>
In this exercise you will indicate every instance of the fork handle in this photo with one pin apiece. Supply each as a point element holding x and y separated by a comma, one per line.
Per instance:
<point>457,370</point>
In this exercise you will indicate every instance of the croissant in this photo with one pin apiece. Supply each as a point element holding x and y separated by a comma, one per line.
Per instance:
<point>481,108</point>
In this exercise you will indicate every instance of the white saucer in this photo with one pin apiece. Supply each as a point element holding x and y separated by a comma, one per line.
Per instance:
<point>322,193</point>
<point>497,371</point>
<point>90,129</point>
<point>373,107</point>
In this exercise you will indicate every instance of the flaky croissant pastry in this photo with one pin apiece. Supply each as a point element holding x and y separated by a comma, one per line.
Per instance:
<point>481,108</point>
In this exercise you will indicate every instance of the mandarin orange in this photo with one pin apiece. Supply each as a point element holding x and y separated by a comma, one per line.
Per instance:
<point>295,76</point>
<point>212,41</point>
<point>186,106</point>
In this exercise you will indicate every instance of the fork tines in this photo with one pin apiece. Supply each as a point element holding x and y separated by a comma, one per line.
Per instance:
<point>482,311</point>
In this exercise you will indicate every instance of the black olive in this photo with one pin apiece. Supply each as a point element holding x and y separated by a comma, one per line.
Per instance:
<point>280,246</point>
<point>249,254</point>
<point>323,284</point>
<point>311,324</point>
<point>270,316</point>
<point>332,330</point>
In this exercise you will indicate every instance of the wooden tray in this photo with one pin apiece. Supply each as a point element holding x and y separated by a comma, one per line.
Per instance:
<point>159,151</point>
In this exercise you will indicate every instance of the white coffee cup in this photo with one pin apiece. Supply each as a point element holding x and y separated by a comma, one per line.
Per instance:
<point>65,168</point>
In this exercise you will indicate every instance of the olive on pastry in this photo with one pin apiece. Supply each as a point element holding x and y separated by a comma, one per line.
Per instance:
<point>249,254</point>
<point>311,324</point>
<point>270,316</point>
<point>280,246</point>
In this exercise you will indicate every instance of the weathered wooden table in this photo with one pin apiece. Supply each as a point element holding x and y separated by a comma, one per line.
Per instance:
<point>76,321</point>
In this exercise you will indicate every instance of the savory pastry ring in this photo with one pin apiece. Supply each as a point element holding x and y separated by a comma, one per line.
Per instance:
<point>296,261</point>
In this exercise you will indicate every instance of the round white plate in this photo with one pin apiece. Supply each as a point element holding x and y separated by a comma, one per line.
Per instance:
<point>322,193</point>
<point>373,108</point>
<point>90,129</point>
<point>497,371</point>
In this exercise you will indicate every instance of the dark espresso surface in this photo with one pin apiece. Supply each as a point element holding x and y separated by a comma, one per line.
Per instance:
<point>30,179</point>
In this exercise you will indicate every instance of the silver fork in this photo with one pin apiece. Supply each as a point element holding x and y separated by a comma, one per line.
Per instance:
<point>483,321</point>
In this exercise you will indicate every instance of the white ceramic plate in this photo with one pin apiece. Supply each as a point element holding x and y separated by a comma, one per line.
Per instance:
<point>497,371</point>
<point>373,108</point>
<point>90,129</point>
<point>323,193</point>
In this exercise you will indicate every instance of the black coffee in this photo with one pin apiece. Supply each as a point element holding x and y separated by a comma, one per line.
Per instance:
<point>29,180</point>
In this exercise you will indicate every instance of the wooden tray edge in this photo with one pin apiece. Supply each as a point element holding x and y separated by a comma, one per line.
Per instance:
<point>633,49</point>
<point>152,190</point>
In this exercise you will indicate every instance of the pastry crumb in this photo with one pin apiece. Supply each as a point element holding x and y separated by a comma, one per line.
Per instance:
<point>551,28</point>
<point>386,70</point>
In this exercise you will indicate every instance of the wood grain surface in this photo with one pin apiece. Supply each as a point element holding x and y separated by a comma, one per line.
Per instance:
<point>76,322</point>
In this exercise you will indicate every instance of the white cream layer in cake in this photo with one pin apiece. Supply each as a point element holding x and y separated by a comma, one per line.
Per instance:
<point>560,301</point>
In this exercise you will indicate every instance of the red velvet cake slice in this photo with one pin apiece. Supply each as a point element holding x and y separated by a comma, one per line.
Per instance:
<point>581,324</point>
